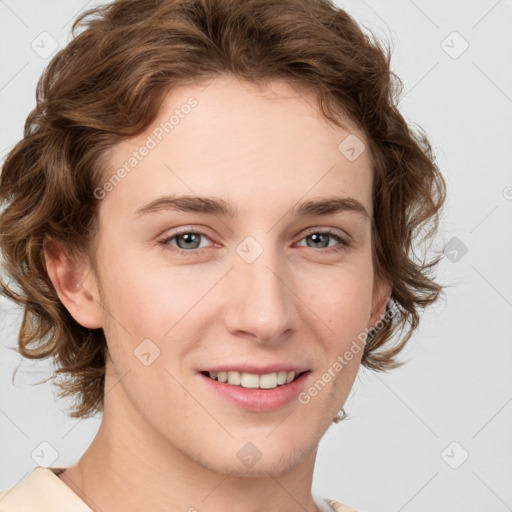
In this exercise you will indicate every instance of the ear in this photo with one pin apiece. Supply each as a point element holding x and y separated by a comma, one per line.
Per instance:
<point>75,283</point>
<point>381,296</point>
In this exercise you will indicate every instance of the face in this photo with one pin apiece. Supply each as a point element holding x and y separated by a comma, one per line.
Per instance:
<point>271,272</point>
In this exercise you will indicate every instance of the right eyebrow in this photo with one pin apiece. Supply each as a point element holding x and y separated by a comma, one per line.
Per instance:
<point>210,205</point>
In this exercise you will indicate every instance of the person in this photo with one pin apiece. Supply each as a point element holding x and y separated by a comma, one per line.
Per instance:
<point>211,224</point>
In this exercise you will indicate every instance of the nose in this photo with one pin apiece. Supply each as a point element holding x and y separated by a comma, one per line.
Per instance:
<point>262,305</point>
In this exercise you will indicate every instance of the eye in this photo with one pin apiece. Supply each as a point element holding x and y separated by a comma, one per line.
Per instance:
<point>189,241</point>
<point>320,240</point>
<point>185,240</point>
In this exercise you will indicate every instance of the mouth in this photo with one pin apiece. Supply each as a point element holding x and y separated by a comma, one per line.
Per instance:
<point>253,380</point>
<point>256,392</point>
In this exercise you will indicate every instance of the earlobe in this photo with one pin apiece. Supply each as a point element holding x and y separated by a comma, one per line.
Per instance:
<point>75,284</point>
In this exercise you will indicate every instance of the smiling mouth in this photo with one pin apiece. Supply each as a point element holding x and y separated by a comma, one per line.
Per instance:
<point>253,380</point>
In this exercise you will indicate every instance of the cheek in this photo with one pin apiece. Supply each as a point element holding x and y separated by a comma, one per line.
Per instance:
<point>144,302</point>
<point>343,299</point>
<point>142,298</point>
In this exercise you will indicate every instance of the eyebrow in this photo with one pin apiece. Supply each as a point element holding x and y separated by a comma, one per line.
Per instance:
<point>217,206</point>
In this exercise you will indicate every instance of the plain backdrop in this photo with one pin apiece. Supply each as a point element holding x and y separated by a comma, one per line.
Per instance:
<point>434,434</point>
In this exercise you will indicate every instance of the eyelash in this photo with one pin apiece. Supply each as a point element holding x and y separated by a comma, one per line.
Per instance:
<point>343,243</point>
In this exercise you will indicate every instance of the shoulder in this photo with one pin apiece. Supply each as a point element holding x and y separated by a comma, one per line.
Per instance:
<point>41,491</point>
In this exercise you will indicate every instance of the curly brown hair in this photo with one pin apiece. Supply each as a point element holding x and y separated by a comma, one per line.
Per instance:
<point>108,84</point>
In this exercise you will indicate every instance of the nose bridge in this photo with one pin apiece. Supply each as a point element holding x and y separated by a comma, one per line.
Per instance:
<point>262,304</point>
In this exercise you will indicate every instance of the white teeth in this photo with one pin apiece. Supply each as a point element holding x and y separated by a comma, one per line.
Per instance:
<point>281,377</point>
<point>253,380</point>
<point>234,378</point>
<point>268,381</point>
<point>249,380</point>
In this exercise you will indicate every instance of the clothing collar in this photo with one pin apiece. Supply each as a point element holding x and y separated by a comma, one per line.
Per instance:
<point>42,491</point>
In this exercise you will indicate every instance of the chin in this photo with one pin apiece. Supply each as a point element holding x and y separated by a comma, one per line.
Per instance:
<point>257,460</point>
<point>261,469</point>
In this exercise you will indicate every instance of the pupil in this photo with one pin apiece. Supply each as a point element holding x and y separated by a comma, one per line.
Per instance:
<point>190,238</point>
<point>315,237</point>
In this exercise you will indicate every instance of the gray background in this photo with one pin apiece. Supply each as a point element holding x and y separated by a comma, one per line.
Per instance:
<point>434,434</point>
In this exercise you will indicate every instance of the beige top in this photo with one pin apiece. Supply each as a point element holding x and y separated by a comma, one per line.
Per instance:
<point>44,491</point>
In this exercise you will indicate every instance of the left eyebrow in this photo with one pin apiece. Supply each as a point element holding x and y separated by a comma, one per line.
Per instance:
<point>217,206</point>
<point>330,206</point>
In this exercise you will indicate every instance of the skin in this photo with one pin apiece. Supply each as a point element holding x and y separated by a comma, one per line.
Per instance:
<point>166,441</point>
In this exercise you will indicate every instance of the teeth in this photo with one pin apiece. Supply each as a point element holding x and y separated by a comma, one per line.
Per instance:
<point>253,380</point>
<point>281,377</point>
<point>249,380</point>
<point>234,378</point>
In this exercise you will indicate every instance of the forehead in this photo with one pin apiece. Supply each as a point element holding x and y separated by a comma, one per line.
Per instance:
<point>238,139</point>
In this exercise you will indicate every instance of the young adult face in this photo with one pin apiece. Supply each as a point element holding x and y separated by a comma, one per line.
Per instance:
<point>262,290</point>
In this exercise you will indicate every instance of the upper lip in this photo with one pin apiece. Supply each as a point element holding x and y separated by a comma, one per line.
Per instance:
<point>251,368</point>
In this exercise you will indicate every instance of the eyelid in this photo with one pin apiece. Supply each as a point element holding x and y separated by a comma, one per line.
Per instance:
<point>345,241</point>
<point>329,231</point>
<point>166,238</point>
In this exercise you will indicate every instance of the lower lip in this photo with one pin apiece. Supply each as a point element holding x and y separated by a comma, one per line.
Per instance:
<point>259,400</point>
